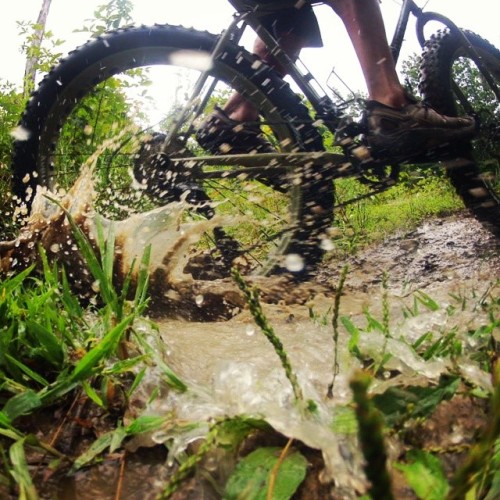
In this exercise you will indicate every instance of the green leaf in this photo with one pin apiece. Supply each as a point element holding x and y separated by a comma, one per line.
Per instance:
<point>97,447</point>
<point>103,349</point>
<point>423,338</point>
<point>107,292</point>
<point>143,277</point>
<point>373,323</point>
<point>28,371</point>
<point>11,434</point>
<point>250,480</point>
<point>124,365</point>
<point>494,491</point>
<point>137,380</point>
<point>119,434</point>
<point>426,301</point>
<point>344,421</point>
<point>425,475</point>
<point>145,423</point>
<point>168,374</point>
<point>399,403</point>
<point>21,404</point>
<point>11,284</point>
<point>354,333</point>
<point>52,345</point>
<point>232,431</point>
<point>5,421</point>
<point>92,394</point>
<point>87,366</point>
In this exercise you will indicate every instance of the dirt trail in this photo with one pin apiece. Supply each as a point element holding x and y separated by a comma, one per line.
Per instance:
<point>442,253</point>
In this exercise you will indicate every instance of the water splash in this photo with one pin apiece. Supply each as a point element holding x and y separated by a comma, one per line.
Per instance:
<point>171,240</point>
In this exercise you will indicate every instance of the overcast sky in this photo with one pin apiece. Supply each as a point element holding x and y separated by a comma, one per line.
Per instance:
<point>66,16</point>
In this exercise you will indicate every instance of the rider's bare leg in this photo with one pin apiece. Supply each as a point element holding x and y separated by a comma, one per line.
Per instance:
<point>239,109</point>
<point>365,26</point>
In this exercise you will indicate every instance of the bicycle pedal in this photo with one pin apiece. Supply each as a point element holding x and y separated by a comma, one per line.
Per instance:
<point>348,130</point>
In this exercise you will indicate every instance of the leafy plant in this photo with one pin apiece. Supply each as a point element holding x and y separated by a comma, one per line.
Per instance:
<point>51,346</point>
<point>424,473</point>
<point>267,473</point>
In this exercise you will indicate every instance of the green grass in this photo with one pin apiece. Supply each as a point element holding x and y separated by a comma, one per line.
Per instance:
<point>56,347</point>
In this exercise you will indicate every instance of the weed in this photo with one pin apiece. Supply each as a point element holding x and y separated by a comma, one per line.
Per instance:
<point>371,425</point>
<point>335,325</point>
<point>252,297</point>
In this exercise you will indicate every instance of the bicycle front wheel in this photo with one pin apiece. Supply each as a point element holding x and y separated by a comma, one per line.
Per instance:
<point>130,88</point>
<point>463,78</point>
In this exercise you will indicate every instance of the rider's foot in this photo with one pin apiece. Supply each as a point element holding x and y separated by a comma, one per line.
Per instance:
<point>221,135</point>
<point>414,129</point>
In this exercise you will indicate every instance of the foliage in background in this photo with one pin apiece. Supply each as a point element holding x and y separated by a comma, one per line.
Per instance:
<point>44,56</point>
<point>11,106</point>
<point>109,16</point>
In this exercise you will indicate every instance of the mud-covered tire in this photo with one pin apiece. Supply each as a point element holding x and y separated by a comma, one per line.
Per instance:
<point>475,173</point>
<point>310,201</point>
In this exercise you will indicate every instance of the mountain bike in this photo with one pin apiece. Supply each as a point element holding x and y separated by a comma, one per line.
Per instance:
<point>269,211</point>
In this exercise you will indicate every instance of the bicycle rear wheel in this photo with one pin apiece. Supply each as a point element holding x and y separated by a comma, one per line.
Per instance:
<point>460,80</point>
<point>129,86</point>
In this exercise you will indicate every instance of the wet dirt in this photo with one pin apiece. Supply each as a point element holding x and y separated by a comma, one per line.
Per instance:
<point>442,253</point>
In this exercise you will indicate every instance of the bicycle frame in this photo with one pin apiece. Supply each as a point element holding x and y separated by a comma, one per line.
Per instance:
<point>325,108</point>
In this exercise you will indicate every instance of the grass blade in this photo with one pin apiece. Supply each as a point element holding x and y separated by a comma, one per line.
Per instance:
<point>21,404</point>
<point>86,366</point>
<point>27,371</point>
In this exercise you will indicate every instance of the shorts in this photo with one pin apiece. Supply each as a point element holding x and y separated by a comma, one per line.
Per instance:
<point>294,16</point>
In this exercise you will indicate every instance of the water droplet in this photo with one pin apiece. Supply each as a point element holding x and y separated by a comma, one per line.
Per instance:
<point>20,134</point>
<point>294,262</point>
<point>327,244</point>
<point>250,330</point>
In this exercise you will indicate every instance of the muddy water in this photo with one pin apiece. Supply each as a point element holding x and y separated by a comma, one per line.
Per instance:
<point>230,367</point>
